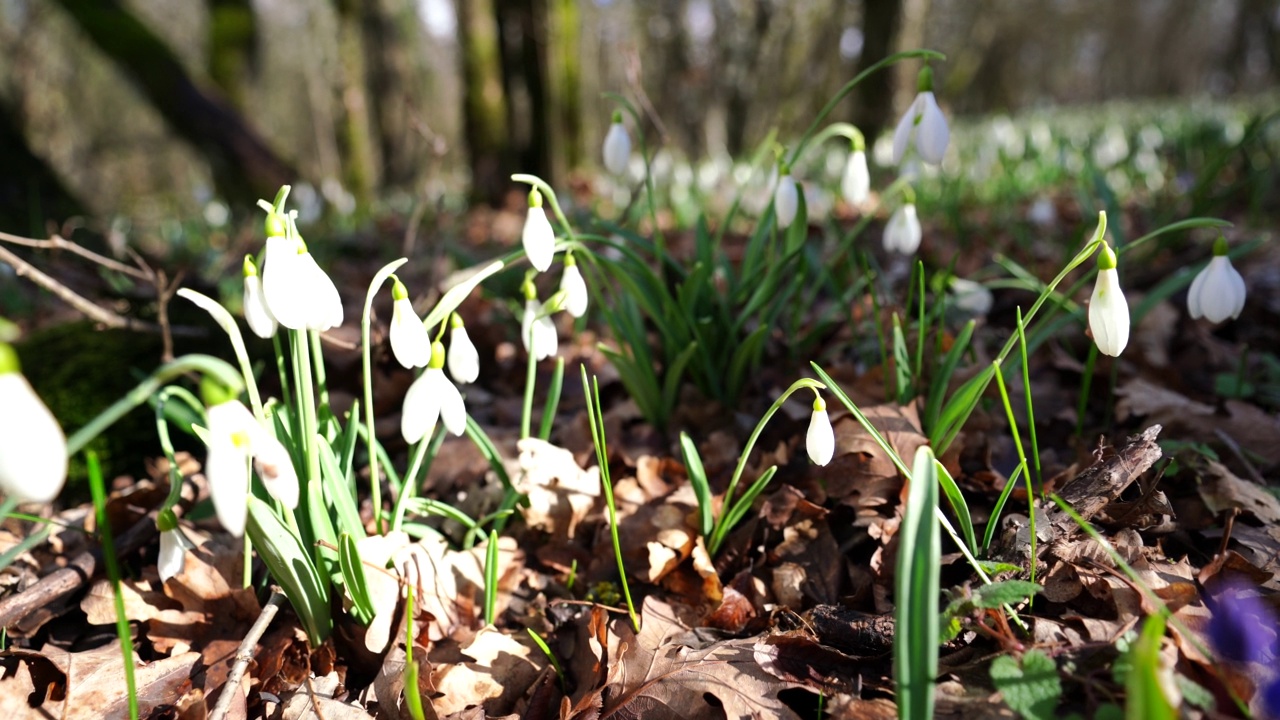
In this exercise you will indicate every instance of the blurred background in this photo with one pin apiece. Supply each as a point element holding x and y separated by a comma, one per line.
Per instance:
<point>127,114</point>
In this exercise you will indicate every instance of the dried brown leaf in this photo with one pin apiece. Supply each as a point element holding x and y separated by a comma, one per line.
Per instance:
<point>1223,490</point>
<point>495,671</point>
<point>561,494</point>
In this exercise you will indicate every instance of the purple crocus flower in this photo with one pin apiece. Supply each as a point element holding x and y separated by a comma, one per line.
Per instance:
<point>1243,627</point>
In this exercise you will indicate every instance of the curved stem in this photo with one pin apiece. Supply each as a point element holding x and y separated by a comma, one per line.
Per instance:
<point>839,129</point>
<point>550,195</point>
<point>366,365</point>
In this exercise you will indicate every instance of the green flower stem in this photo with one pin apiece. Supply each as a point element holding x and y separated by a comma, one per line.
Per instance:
<point>232,329</point>
<point>839,129</point>
<point>1031,412</point>
<point>203,364</point>
<point>530,378</point>
<point>424,452</point>
<point>848,87</point>
<point>306,406</point>
<point>96,487</point>
<point>166,443</point>
<point>366,365</point>
<point>1022,461</point>
<point>317,359</point>
<point>719,530</point>
<point>553,400</point>
<point>280,364</point>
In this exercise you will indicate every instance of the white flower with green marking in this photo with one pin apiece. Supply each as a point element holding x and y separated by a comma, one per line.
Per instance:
<point>463,358</point>
<point>33,450</point>
<point>820,440</point>
<point>432,398</point>
<point>1217,293</point>
<point>538,238</point>
<point>234,438</point>
<point>617,147</point>
<point>260,319</point>
<point>924,123</point>
<point>1108,310</point>
<point>410,339</point>
<point>902,233</point>
<point>574,287</point>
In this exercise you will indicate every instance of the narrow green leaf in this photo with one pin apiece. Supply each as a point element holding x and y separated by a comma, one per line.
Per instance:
<point>698,478</point>
<point>292,567</point>
<point>354,579</point>
<point>917,588</point>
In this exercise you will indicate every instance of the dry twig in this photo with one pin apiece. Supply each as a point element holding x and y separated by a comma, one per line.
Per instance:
<point>245,653</point>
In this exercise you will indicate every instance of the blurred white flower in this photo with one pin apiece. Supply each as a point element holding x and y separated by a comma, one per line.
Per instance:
<point>538,331</point>
<point>1042,212</point>
<point>574,287</point>
<point>971,297</point>
<point>856,183</point>
<point>820,440</point>
<point>33,450</point>
<point>1108,310</point>
<point>786,200</point>
<point>234,437</point>
<point>173,546</point>
<point>538,238</point>
<point>256,313</point>
<point>410,339</point>
<point>1218,291</point>
<point>925,121</point>
<point>617,147</point>
<point>431,398</point>
<point>902,232</point>
<point>463,359</point>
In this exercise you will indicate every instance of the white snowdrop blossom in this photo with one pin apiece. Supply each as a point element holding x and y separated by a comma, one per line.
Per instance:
<point>173,546</point>
<point>1108,310</point>
<point>431,398</point>
<point>33,450</point>
<point>234,437</point>
<point>1217,293</point>
<point>617,147</point>
<point>923,122</point>
<point>538,238</point>
<point>410,340</point>
<point>260,320</point>
<point>971,297</point>
<point>463,359</point>
<point>537,330</point>
<point>902,232</point>
<point>327,310</point>
<point>298,293</point>
<point>574,287</point>
<point>856,183</point>
<point>820,441</point>
<point>786,200</point>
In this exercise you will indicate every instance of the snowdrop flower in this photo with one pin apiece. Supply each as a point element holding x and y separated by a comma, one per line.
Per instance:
<point>538,238</point>
<point>1217,293</point>
<point>902,232</point>
<point>574,287</point>
<point>463,359</point>
<point>33,450</point>
<point>925,121</point>
<point>173,545</point>
<point>1108,311</point>
<point>235,437</point>
<point>256,313</point>
<point>786,199</point>
<point>820,441</point>
<point>410,340</point>
<point>971,297</point>
<point>856,183</point>
<point>537,330</point>
<point>617,146</point>
<point>430,398</point>
<point>298,293</point>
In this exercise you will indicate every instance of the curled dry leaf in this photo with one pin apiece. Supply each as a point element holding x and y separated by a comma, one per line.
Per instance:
<point>1223,490</point>
<point>492,671</point>
<point>90,685</point>
<point>561,494</point>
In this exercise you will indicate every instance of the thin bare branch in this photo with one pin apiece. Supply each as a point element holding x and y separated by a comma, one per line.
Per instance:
<point>89,309</point>
<point>57,242</point>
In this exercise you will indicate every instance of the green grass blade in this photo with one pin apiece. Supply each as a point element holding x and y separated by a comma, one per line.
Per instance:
<point>917,589</point>
<point>698,478</point>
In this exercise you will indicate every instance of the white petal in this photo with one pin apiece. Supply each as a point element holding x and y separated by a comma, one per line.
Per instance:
<point>173,550</point>
<point>545,340</point>
<point>902,134</point>
<point>275,468</point>
<point>902,232</point>
<point>539,239</point>
<point>324,310</point>
<point>256,313</point>
<point>786,201</point>
<point>421,409</point>
<point>1237,290</point>
<point>531,309</point>
<point>1109,314</point>
<point>452,409</point>
<point>575,289</point>
<point>284,284</point>
<point>232,429</point>
<point>410,340</point>
<point>933,134</point>
<point>856,183</point>
<point>33,450</point>
<point>617,149</point>
<point>820,441</point>
<point>1217,292</point>
<point>463,359</point>
<point>1193,295</point>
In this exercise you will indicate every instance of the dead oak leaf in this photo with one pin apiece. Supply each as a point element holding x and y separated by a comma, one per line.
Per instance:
<point>667,674</point>
<point>561,494</point>
<point>494,671</point>
<point>1224,491</point>
<point>92,684</point>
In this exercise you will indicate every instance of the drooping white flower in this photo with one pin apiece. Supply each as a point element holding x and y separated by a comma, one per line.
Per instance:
<point>971,297</point>
<point>902,232</point>
<point>431,398</point>
<point>33,450</point>
<point>574,287</point>
<point>1218,291</point>
<point>1108,310</point>
<point>925,122</point>
<point>463,358</point>
<point>234,437</point>
<point>298,293</point>
<point>327,310</point>
<point>173,546</point>
<point>410,339</point>
<point>786,200</point>
<point>538,330</point>
<point>617,146</point>
<point>820,441</point>
<point>856,183</point>
<point>538,238</point>
<point>260,320</point>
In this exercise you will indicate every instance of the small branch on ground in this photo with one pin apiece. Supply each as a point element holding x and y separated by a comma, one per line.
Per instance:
<point>245,654</point>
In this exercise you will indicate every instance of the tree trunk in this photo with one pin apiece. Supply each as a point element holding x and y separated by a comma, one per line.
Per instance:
<point>393,38</point>
<point>484,126</point>
<point>565,51</point>
<point>522,28</point>
<point>873,107</point>
<point>244,167</point>
<point>360,164</point>
<point>233,48</point>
